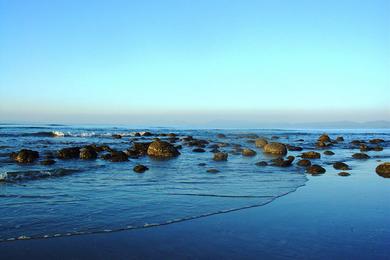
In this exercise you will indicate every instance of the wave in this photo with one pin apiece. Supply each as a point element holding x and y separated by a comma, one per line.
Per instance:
<point>33,175</point>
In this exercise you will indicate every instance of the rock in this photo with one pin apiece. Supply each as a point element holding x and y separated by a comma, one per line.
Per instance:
<point>329,153</point>
<point>383,170</point>
<point>324,138</point>
<point>260,142</point>
<point>161,149</point>
<point>304,163</point>
<point>294,148</point>
<point>377,148</point>
<point>315,169</point>
<point>275,148</point>
<point>340,139</point>
<point>140,168</point>
<point>283,163</point>
<point>87,154</point>
<point>262,163</point>
<point>116,136</point>
<point>138,149</point>
<point>179,146</point>
<point>213,170</point>
<point>25,156</point>
<point>248,152</point>
<point>48,162</point>
<point>344,174</point>
<point>364,148</point>
<point>69,153</point>
<point>201,164</point>
<point>118,156</point>
<point>146,134</point>
<point>341,166</point>
<point>220,156</point>
<point>376,141</point>
<point>199,150</point>
<point>311,155</point>
<point>221,136</point>
<point>357,142</point>
<point>360,156</point>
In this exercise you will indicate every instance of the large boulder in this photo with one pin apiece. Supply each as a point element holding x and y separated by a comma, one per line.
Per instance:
<point>69,153</point>
<point>383,170</point>
<point>275,148</point>
<point>219,156</point>
<point>311,155</point>
<point>25,156</point>
<point>261,142</point>
<point>162,149</point>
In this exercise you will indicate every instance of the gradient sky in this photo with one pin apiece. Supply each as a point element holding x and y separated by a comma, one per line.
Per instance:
<point>156,61</point>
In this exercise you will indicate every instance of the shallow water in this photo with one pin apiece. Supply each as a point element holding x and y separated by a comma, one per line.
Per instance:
<point>101,196</point>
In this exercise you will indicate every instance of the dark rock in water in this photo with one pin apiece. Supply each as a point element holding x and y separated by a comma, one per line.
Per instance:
<point>69,153</point>
<point>275,148</point>
<point>340,139</point>
<point>324,138</point>
<point>315,169</point>
<point>341,166</point>
<point>171,135</point>
<point>376,141</point>
<point>294,148</point>
<point>25,156</point>
<point>221,136</point>
<point>201,164</point>
<point>140,168</point>
<point>213,170</point>
<point>360,156</point>
<point>344,174</point>
<point>357,142</point>
<point>262,163</point>
<point>118,156</point>
<point>329,153</point>
<point>106,156</point>
<point>364,148</point>
<point>260,142</point>
<point>116,136</point>
<point>198,142</point>
<point>304,163</point>
<point>138,149</point>
<point>248,152</point>
<point>146,134</point>
<point>283,163</point>
<point>48,162</point>
<point>162,149</point>
<point>300,140</point>
<point>383,170</point>
<point>199,150</point>
<point>87,154</point>
<point>377,148</point>
<point>213,146</point>
<point>220,156</point>
<point>323,144</point>
<point>137,134</point>
<point>311,155</point>
<point>179,146</point>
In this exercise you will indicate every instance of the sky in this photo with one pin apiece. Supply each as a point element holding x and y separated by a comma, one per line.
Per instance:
<point>163,62</point>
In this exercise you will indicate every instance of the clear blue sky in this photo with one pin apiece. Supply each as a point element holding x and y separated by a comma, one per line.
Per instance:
<point>194,60</point>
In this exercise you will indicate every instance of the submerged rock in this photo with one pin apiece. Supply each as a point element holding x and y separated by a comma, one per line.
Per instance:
<point>344,174</point>
<point>201,164</point>
<point>248,152</point>
<point>304,163</point>
<point>275,148</point>
<point>262,163</point>
<point>48,162</point>
<point>261,142</point>
<point>221,136</point>
<point>162,149</point>
<point>294,148</point>
<point>311,155</point>
<point>376,141</point>
<point>199,150</point>
<point>315,169</point>
<point>383,170</point>
<point>360,156</point>
<point>341,166</point>
<point>25,156</point>
<point>329,153</point>
<point>219,156</point>
<point>140,168</point>
<point>69,153</point>
<point>213,170</point>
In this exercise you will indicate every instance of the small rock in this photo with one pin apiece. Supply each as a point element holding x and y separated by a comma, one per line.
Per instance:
<point>376,141</point>
<point>25,156</point>
<point>341,166</point>
<point>248,152</point>
<point>283,163</point>
<point>48,162</point>
<point>116,136</point>
<point>220,156</point>
<point>329,153</point>
<point>304,163</point>
<point>201,164</point>
<point>340,139</point>
<point>262,163</point>
<point>140,168</point>
<point>344,174</point>
<point>360,156</point>
<point>199,150</point>
<point>383,170</point>
<point>213,170</point>
<point>315,169</point>
<point>294,148</point>
<point>311,155</point>
<point>118,156</point>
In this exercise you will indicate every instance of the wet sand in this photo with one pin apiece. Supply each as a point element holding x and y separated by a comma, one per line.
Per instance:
<point>330,217</point>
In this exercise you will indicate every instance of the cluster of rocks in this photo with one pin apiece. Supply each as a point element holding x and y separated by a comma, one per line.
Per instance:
<point>167,148</point>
